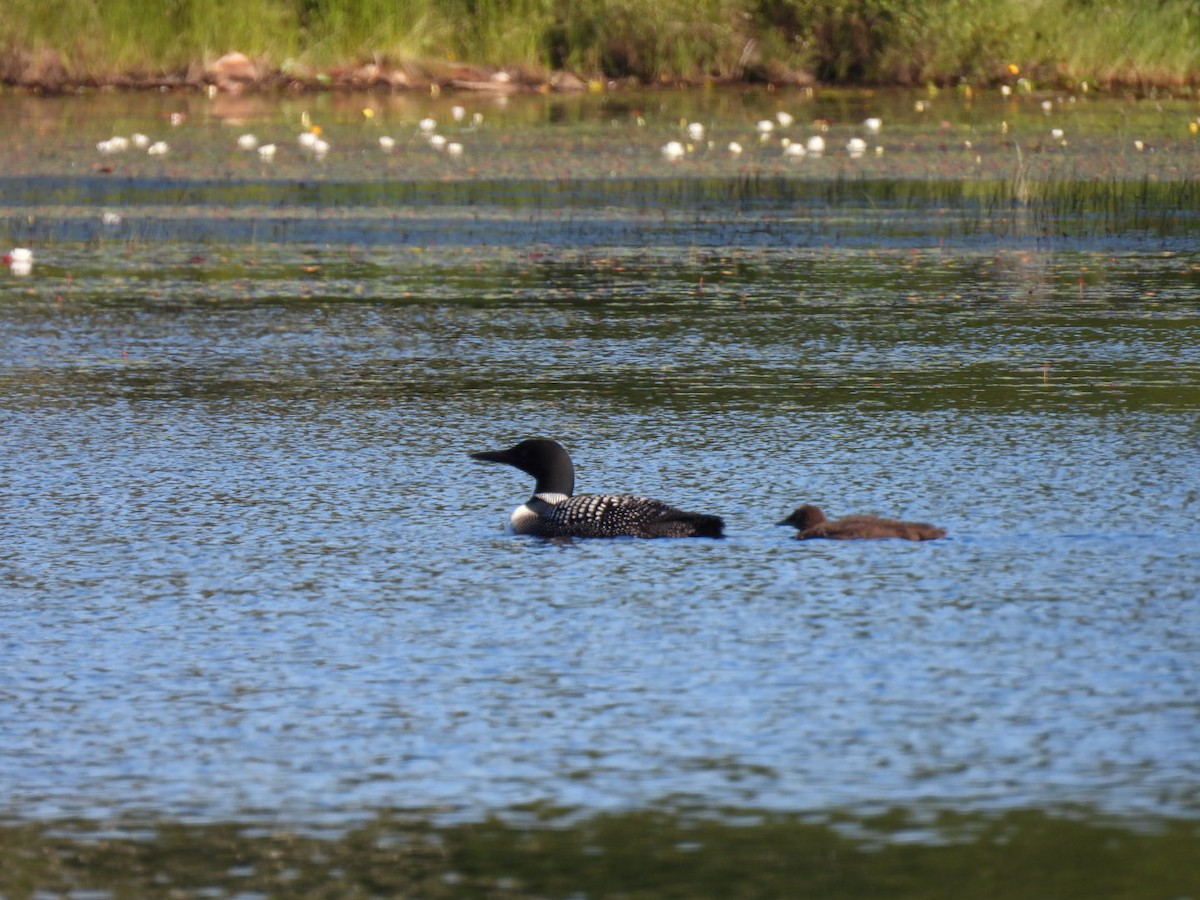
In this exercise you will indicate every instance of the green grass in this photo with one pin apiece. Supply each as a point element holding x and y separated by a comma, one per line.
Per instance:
<point>1154,43</point>
<point>862,41</point>
<point>102,38</point>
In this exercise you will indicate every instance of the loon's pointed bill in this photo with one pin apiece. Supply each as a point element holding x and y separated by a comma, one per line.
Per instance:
<point>553,511</point>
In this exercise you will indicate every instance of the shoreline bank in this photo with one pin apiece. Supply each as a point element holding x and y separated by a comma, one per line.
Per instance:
<point>235,72</point>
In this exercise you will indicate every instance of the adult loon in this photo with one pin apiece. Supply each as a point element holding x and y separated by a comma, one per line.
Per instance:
<point>812,523</point>
<point>552,511</point>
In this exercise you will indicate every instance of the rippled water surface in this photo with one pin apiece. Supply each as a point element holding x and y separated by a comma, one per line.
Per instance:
<point>252,577</point>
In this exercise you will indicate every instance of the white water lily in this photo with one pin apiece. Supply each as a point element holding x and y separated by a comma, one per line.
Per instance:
<point>457,113</point>
<point>785,119</point>
<point>387,143</point>
<point>673,150</point>
<point>139,140</point>
<point>795,149</point>
<point>267,151</point>
<point>437,141</point>
<point>735,148</point>
<point>454,148</point>
<point>873,124</point>
<point>816,145</point>
<point>856,147</point>
<point>247,142</point>
<point>695,131</point>
<point>427,125</point>
<point>115,144</point>
<point>765,127</point>
<point>19,260</point>
<point>158,148</point>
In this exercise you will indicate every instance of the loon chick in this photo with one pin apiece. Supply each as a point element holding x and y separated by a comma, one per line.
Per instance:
<point>553,512</point>
<point>812,523</point>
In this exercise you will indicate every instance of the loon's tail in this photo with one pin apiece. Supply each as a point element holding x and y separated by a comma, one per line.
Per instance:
<point>678,523</point>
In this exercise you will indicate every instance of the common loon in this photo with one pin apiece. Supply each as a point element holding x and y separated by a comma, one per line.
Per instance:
<point>552,511</point>
<point>812,523</point>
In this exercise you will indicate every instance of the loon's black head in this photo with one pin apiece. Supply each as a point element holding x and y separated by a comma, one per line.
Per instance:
<point>804,517</point>
<point>544,459</point>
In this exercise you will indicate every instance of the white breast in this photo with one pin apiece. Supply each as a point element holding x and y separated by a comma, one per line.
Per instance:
<point>523,519</point>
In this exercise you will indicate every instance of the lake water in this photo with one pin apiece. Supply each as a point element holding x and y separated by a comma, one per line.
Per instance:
<point>264,632</point>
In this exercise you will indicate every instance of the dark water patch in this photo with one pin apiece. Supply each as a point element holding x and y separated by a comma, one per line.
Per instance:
<point>743,211</point>
<point>747,193</point>
<point>800,354</point>
<point>746,853</point>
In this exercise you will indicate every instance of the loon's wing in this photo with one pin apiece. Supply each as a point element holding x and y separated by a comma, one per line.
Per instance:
<point>627,515</point>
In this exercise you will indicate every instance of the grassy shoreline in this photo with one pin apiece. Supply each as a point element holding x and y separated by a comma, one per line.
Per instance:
<point>573,44</point>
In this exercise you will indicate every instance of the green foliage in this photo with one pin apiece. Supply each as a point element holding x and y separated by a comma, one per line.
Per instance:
<point>653,41</point>
<point>887,41</point>
<point>840,41</point>
<point>340,31</point>
<point>894,41</point>
<point>103,37</point>
<point>1157,42</point>
<point>503,31</point>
